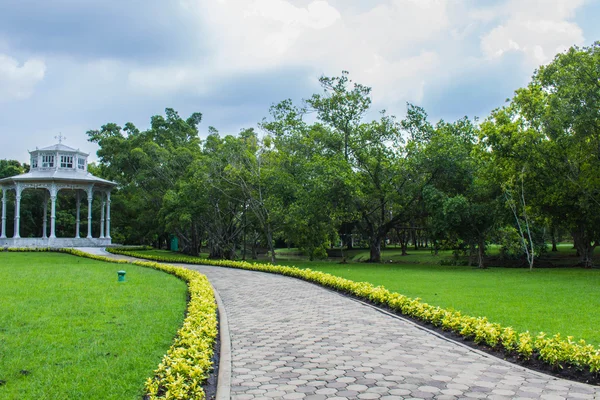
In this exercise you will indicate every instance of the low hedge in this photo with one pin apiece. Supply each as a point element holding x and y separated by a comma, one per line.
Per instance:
<point>555,350</point>
<point>187,364</point>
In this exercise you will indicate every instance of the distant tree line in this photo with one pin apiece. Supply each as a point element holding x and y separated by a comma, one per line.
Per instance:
<point>524,176</point>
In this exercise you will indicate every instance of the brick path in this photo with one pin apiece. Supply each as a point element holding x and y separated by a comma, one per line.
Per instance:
<point>294,340</point>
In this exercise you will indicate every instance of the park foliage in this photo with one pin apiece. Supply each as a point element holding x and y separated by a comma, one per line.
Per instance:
<point>524,176</point>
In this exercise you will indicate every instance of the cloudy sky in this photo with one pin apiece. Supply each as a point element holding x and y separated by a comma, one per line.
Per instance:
<point>67,66</point>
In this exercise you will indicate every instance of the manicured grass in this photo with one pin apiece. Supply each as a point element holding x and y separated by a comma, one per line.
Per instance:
<point>69,330</point>
<point>552,300</point>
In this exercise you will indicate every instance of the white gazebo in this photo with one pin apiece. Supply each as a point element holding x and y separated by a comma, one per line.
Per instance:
<point>57,168</point>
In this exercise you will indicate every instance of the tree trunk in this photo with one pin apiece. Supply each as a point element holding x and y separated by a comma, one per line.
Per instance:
<point>244,251</point>
<point>254,252</point>
<point>270,244</point>
<point>481,252</point>
<point>554,248</point>
<point>244,236</point>
<point>585,247</point>
<point>415,239</point>
<point>375,249</point>
<point>233,251</point>
<point>587,259</point>
<point>347,241</point>
<point>195,246</point>
<point>403,238</point>
<point>404,246</point>
<point>472,253</point>
<point>215,252</point>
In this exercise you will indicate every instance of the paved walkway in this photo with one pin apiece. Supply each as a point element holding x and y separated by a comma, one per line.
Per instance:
<point>294,340</point>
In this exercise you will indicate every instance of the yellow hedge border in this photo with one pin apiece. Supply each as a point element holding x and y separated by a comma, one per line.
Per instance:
<point>187,364</point>
<point>555,351</point>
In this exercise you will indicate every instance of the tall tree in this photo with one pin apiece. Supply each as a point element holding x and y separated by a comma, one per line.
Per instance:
<point>312,180</point>
<point>342,106</point>
<point>146,164</point>
<point>553,126</point>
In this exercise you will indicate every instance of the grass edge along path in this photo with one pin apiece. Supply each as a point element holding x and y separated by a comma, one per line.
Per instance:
<point>555,351</point>
<point>187,364</point>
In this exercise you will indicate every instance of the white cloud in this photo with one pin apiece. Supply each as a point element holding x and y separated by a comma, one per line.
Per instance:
<point>537,28</point>
<point>378,45</point>
<point>259,34</point>
<point>317,15</point>
<point>18,81</point>
<point>160,80</point>
<point>402,80</point>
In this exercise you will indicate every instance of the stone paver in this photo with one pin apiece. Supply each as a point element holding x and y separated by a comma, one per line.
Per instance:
<point>294,340</point>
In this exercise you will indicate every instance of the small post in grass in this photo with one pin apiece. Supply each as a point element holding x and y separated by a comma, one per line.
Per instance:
<point>121,276</point>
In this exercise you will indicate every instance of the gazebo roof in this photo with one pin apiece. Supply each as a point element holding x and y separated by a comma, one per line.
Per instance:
<point>58,164</point>
<point>67,176</point>
<point>60,147</point>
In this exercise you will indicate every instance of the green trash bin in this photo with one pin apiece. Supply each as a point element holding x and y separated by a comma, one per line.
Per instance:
<point>121,276</point>
<point>174,245</point>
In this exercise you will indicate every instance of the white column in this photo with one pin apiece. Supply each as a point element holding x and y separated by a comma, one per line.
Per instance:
<point>90,198</point>
<point>102,215</point>
<point>78,213</point>
<point>107,236</point>
<point>3,233</point>
<point>45,221</point>
<point>53,196</point>
<point>18,191</point>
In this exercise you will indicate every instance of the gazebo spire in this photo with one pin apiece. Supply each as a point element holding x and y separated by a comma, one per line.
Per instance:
<point>60,138</point>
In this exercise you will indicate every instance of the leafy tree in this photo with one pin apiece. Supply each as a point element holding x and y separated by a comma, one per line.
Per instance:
<point>10,168</point>
<point>146,165</point>
<point>463,201</point>
<point>311,181</point>
<point>340,107</point>
<point>551,130</point>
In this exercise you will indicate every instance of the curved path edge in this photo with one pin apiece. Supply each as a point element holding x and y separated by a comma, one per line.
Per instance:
<point>224,377</point>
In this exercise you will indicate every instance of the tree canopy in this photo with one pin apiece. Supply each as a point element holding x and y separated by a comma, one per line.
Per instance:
<point>522,174</point>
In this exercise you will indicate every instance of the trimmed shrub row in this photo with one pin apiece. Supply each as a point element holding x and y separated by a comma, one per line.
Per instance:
<point>187,364</point>
<point>555,351</point>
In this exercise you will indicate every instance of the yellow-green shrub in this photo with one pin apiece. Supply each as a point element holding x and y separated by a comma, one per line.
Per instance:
<point>509,340</point>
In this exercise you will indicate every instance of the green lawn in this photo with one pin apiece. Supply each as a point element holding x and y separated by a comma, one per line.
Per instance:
<point>549,300</point>
<point>552,300</point>
<point>69,330</point>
